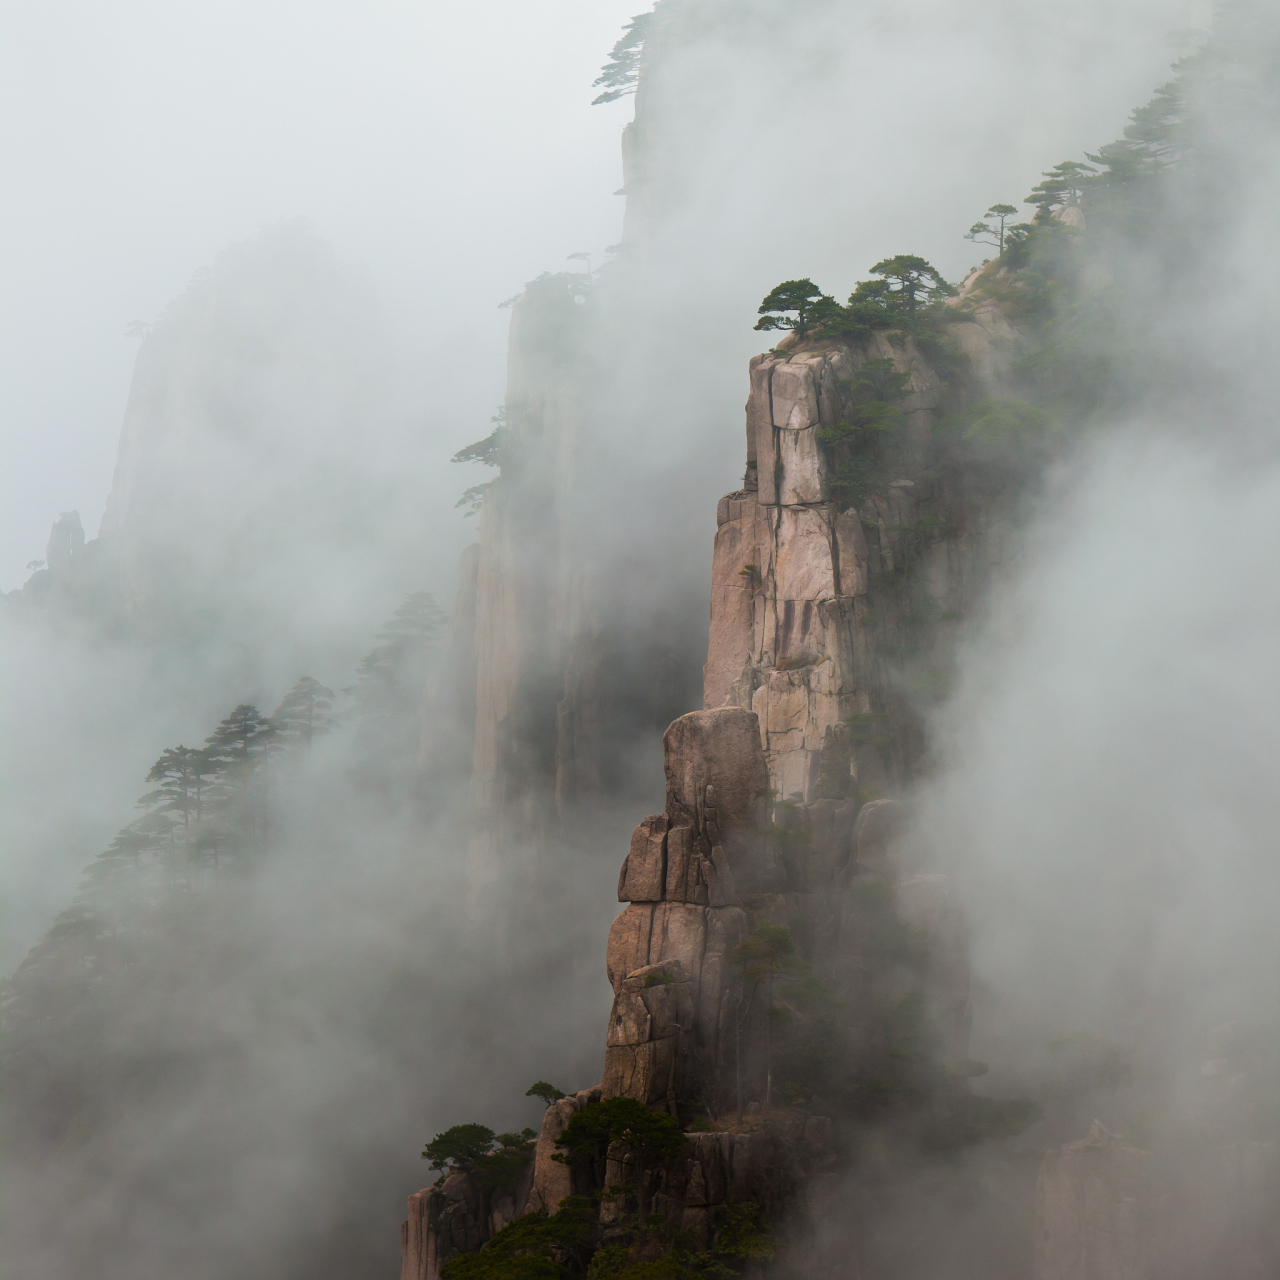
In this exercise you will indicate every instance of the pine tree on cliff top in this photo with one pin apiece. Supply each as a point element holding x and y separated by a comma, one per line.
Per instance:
<point>799,296</point>
<point>986,233</point>
<point>913,283</point>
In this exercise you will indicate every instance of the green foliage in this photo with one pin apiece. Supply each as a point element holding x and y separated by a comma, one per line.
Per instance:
<point>185,775</point>
<point>242,740</point>
<point>459,1147</point>
<point>651,1135</point>
<point>492,451</point>
<point>765,952</point>
<point>986,233</point>
<point>304,712</point>
<point>859,450</point>
<point>522,1250</point>
<point>741,1232</point>
<point>740,1236</point>
<point>912,284</point>
<point>609,1262</point>
<point>1062,187</point>
<point>867,727</point>
<point>619,76</point>
<point>489,451</point>
<point>547,1092</point>
<point>1000,422</point>
<point>496,1159</point>
<point>797,296</point>
<point>787,835</point>
<point>534,1246</point>
<point>473,497</point>
<point>906,298</point>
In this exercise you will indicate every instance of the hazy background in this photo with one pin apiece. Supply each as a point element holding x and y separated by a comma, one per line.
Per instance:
<point>447,155</point>
<point>451,153</point>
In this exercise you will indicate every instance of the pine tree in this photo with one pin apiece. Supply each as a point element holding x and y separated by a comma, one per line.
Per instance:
<point>392,675</point>
<point>1062,187</point>
<point>985,233</point>
<point>305,712</point>
<point>240,741</point>
<point>913,283</point>
<point>800,296</point>
<point>237,749</point>
<point>620,75</point>
<point>185,775</point>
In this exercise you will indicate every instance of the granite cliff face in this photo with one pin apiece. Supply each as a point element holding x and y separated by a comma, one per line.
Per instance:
<point>835,613</point>
<point>779,816</point>
<point>826,614</point>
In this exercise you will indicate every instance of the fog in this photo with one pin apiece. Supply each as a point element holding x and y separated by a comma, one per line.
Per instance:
<point>318,211</point>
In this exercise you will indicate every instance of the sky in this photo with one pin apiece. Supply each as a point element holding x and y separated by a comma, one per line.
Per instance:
<point>451,152</point>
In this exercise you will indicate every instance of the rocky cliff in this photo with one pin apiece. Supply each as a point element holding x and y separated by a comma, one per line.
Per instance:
<point>780,826</point>
<point>789,972</point>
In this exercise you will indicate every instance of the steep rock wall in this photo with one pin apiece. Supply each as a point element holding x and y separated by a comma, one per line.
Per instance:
<point>824,614</point>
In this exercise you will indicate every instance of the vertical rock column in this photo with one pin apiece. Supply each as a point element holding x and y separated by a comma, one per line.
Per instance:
<point>667,950</point>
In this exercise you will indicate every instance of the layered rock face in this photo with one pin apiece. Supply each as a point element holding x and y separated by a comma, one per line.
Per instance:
<point>675,1001</point>
<point>689,1030</point>
<point>816,602</point>
<point>769,822</point>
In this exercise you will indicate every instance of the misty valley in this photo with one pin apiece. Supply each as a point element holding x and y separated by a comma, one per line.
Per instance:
<point>654,840</point>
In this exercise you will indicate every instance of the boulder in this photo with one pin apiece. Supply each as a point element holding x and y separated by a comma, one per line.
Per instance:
<point>801,467</point>
<point>417,1240</point>
<point>719,749</point>
<point>646,1072</point>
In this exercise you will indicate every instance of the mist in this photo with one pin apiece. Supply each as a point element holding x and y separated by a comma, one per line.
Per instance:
<point>316,215</point>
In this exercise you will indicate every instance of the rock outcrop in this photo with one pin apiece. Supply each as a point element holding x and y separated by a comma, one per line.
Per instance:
<point>819,607</point>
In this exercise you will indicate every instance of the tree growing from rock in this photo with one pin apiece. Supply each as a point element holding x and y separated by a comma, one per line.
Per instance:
<point>496,1158</point>
<point>620,75</point>
<point>992,233</point>
<point>913,283</point>
<point>798,296</point>
<point>652,1136</point>
<point>547,1092</point>
<point>1062,187</point>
